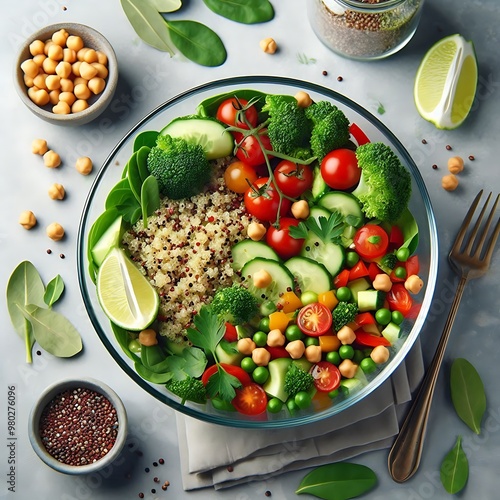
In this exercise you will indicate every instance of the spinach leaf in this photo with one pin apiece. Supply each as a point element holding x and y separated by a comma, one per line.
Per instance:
<point>150,376</point>
<point>142,162</point>
<point>124,202</point>
<point>455,469</point>
<point>242,11</point>
<point>467,393</point>
<point>146,138</point>
<point>197,42</point>
<point>111,199</point>
<point>54,290</point>
<point>148,23</point>
<point>338,481</point>
<point>150,198</point>
<point>166,5</point>
<point>134,177</point>
<point>25,286</point>
<point>153,358</point>
<point>123,338</point>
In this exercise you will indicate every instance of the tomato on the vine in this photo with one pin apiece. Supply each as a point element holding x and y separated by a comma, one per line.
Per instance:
<point>371,241</point>
<point>326,376</point>
<point>314,319</point>
<point>293,179</point>
<point>279,239</point>
<point>238,176</point>
<point>263,201</point>
<point>250,151</point>
<point>228,110</point>
<point>250,399</point>
<point>340,170</point>
<point>399,299</point>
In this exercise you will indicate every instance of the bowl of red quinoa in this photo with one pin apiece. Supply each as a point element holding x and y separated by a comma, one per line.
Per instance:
<point>78,426</point>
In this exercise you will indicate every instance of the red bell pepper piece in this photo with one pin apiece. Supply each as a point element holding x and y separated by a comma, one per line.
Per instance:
<point>373,270</point>
<point>364,318</point>
<point>358,271</point>
<point>360,137</point>
<point>231,335</point>
<point>396,238</point>
<point>277,352</point>
<point>367,339</point>
<point>341,279</point>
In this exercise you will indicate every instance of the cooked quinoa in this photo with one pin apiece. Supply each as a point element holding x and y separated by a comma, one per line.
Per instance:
<point>186,249</point>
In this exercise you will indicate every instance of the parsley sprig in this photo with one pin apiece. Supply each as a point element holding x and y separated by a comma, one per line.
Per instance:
<point>326,229</point>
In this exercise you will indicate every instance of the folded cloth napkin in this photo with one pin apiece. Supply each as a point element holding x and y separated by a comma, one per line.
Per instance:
<point>260,454</point>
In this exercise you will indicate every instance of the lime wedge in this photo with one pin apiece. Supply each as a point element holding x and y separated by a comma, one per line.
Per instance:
<point>126,296</point>
<point>446,81</point>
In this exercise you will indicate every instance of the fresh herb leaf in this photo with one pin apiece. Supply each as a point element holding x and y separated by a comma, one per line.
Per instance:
<point>455,469</point>
<point>166,5</point>
<point>142,162</point>
<point>54,290</point>
<point>134,177</point>
<point>327,229</point>
<point>467,393</point>
<point>303,59</point>
<point>196,361</point>
<point>150,376</point>
<point>339,481</point>
<point>208,331</point>
<point>222,384</point>
<point>146,138</point>
<point>197,42</point>
<point>150,198</point>
<point>380,109</point>
<point>242,11</point>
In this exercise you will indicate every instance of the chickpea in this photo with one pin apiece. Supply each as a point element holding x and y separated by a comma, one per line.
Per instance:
<point>300,209</point>
<point>75,67</point>
<point>79,81</point>
<point>262,279</point>
<point>256,231</point>
<point>87,71</point>
<point>53,82</point>
<point>74,42</point>
<point>382,282</point>
<point>90,56</point>
<point>47,45</point>
<point>268,45</point>
<point>39,58</point>
<point>346,335</point>
<point>79,105</point>
<point>69,55</point>
<point>55,52</point>
<point>147,338</point>
<point>67,97</point>
<point>66,85</point>
<point>49,66</point>
<point>40,81</point>
<point>80,54</point>
<point>455,164</point>
<point>84,165</point>
<point>275,338</point>
<point>102,71</point>
<point>313,353</point>
<point>36,47</point>
<point>51,159</point>
<point>60,37</point>
<point>296,349</point>
<point>63,69</point>
<point>27,219</point>
<point>28,81</point>
<point>303,99</point>
<point>61,108</point>
<point>54,96</point>
<point>414,284</point>
<point>30,68</point>
<point>449,182</point>
<point>261,356</point>
<point>347,368</point>
<point>102,58</point>
<point>39,147</point>
<point>81,91</point>
<point>96,85</point>
<point>57,191</point>
<point>55,231</point>
<point>38,96</point>
<point>246,346</point>
<point>380,354</point>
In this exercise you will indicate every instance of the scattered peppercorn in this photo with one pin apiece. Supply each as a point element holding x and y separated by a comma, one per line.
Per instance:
<point>448,147</point>
<point>49,251</point>
<point>38,353</point>
<point>230,468</point>
<point>153,491</point>
<point>164,487</point>
<point>471,157</point>
<point>161,461</point>
<point>267,493</point>
<point>155,464</point>
<point>434,166</point>
<point>339,78</point>
<point>424,141</point>
<point>141,495</point>
<point>156,479</point>
<point>62,256</point>
<point>325,73</point>
<point>146,470</point>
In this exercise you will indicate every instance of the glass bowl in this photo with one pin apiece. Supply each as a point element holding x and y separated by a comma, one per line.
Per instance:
<point>185,104</point>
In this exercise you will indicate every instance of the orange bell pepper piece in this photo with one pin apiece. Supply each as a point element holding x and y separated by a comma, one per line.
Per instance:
<point>290,302</point>
<point>278,320</point>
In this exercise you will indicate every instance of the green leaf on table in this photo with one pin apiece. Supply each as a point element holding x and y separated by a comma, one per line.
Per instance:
<point>146,138</point>
<point>338,481</point>
<point>148,23</point>
<point>467,393</point>
<point>166,5</point>
<point>242,11</point>
<point>150,198</point>
<point>54,290</point>
<point>197,42</point>
<point>455,469</point>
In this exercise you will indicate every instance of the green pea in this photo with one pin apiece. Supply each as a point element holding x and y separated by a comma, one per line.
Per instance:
<point>311,341</point>
<point>267,308</point>
<point>220,404</point>
<point>333,394</point>
<point>368,365</point>
<point>274,405</point>
<point>292,405</point>
<point>248,364</point>
<point>397,317</point>
<point>344,294</point>
<point>358,356</point>
<point>264,325</point>
<point>346,351</point>
<point>309,297</point>
<point>134,346</point>
<point>303,400</point>
<point>383,316</point>
<point>260,374</point>
<point>400,272</point>
<point>351,259</point>
<point>333,357</point>
<point>293,332</point>
<point>402,254</point>
<point>260,339</point>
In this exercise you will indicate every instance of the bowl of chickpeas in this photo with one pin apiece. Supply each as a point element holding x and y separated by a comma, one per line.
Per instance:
<point>66,73</point>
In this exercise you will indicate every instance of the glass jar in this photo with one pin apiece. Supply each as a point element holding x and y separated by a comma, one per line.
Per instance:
<point>364,29</point>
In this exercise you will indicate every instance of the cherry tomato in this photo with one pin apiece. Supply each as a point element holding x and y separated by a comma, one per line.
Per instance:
<point>364,318</point>
<point>250,400</point>
<point>263,203</point>
<point>326,376</point>
<point>250,150</point>
<point>293,179</point>
<point>228,110</point>
<point>239,176</point>
<point>371,241</point>
<point>340,170</point>
<point>281,242</point>
<point>399,299</point>
<point>314,319</point>
<point>236,371</point>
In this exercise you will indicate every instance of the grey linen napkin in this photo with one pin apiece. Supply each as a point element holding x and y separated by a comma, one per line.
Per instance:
<point>261,454</point>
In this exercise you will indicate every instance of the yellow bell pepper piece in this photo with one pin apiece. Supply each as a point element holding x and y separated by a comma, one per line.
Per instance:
<point>328,299</point>
<point>278,320</point>
<point>290,302</point>
<point>329,343</point>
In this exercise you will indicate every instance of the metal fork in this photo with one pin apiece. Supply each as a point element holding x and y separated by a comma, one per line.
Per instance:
<point>470,259</point>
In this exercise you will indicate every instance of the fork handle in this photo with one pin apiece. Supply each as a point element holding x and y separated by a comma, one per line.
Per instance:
<point>405,454</point>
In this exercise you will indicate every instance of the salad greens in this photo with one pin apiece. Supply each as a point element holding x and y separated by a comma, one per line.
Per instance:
<point>454,470</point>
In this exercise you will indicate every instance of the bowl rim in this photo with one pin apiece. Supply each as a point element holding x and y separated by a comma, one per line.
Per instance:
<point>47,395</point>
<point>394,362</point>
<point>103,99</point>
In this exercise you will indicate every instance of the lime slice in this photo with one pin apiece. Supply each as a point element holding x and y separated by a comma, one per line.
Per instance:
<point>446,81</point>
<point>126,296</point>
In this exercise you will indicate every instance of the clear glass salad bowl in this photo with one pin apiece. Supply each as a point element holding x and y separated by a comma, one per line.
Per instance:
<point>185,104</point>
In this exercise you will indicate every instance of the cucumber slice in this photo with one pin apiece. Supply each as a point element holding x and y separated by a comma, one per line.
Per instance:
<point>370,300</point>
<point>391,332</point>
<point>345,203</point>
<point>331,255</point>
<point>357,286</point>
<point>310,275</point>
<point>110,239</point>
<point>208,132</point>
<point>319,187</point>
<point>275,384</point>
<point>247,250</point>
<point>317,212</point>
<point>282,278</point>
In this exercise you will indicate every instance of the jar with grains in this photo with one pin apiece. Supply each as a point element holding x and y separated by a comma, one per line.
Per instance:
<point>364,29</point>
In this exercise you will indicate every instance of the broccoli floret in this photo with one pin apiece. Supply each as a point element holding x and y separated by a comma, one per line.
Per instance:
<point>188,389</point>
<point>384,189</point>
<point>344,313</point>
<point>289,130</point>
<point>180,167</point>
<point>388,261</point>
<point>297,380</point>
<point>235,304</point>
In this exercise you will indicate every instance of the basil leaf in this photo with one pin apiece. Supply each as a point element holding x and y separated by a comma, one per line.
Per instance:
<point>166,5</point>
<point>467,393</point>
<point>242,11</point>
<point>146,138</point>
<point>148,23</point>
<point>455,469</point>
<point>338,481</point>
<point>197,42</point>
<point>150,198</point>
<point>54,290</point>
<point>53,331</point>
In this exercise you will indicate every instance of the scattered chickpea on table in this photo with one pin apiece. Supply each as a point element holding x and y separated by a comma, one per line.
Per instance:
<point>55,231</point>
<point>27,219</point>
